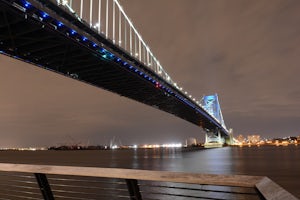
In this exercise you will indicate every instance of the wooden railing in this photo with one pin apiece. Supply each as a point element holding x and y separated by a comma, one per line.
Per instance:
<point>22,181</point>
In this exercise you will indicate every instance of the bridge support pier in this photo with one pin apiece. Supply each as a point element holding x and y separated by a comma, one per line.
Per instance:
<point>213,139</point>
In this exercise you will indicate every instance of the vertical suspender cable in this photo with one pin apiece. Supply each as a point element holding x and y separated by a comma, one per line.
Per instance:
<point>106,19</point>
<point>99,17</point>
<point>147,53</point>
<point>91,13</point>
<point>81,8</point>
<point>130,39</point>
<point>135,53</point>
<point>114,22</point>
<point>125,34</point>
<point>144,55</point>
<point>140,50</point>
<point>71,3</point>
<point>120,28</point>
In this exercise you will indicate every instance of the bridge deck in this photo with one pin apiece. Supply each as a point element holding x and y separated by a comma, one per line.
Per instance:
<point>21,181</point>
<point>50,37</point>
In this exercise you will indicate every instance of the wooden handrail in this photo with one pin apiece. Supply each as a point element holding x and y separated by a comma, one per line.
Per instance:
<point>179,177</point>
<point>269,189</point>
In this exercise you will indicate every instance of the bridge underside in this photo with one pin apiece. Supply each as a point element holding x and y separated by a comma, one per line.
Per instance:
<point>37,41</point>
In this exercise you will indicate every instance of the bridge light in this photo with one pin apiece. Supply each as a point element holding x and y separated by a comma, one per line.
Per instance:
<point>84,39</point>
<point>118,59</point>
<point>111,55</point>
<point>96,25</point>
<point>27,4</point>
<point>102,50</point>
<point>73,32</point>
<point>157,85</point>
<point>60,24</point>
<point>94,45</point>
<point>44,15</point>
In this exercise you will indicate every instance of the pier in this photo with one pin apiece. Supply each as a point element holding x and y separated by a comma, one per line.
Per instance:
<point>23,181</point>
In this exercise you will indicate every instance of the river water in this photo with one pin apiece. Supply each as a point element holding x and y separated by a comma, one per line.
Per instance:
<point>281,164</point>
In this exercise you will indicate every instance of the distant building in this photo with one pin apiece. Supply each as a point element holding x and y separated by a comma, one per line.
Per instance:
<point>191,142</point>
<point>253,139</point>
<point>240,139</point>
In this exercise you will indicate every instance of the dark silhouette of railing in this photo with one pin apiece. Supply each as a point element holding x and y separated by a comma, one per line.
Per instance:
<point>22,181</point>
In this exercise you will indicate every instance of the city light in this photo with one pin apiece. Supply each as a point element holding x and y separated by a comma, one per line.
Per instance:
<point>153,146</point>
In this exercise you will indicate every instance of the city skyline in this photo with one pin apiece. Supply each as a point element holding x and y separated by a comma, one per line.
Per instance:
<point>246,52</point>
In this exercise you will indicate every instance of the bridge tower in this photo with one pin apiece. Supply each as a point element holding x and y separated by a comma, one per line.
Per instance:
<point>230,140</point>
<point>213,138</point>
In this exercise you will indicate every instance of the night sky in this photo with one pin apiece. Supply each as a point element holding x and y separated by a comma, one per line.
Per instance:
<point>246,51</point>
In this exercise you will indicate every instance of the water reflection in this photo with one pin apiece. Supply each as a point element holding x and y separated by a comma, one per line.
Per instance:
<point>213,161</point>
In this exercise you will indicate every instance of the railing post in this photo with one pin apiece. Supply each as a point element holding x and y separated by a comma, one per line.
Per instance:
<point>44,186</point>
<point>133,189</point>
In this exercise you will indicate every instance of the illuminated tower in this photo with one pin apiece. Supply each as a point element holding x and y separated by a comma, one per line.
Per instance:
<point>211,104</point>
<point>213,138</point>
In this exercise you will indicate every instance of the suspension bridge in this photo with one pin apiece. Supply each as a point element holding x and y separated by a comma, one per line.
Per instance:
<point>95,42</point>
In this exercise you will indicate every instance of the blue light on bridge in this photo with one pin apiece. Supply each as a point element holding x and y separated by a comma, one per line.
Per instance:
<point>111,55</point>
<point>102,50</point>
<point>95,45</point>
<point>60,24</point>
<point>27,5</point>
<point>44,15</point>
<point>73,32</point>
<point>84,39</point>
